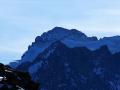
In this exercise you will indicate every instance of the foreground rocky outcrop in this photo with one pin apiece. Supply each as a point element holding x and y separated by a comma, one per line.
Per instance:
<point>11,79</point>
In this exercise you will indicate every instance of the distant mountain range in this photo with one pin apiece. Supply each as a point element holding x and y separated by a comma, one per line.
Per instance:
<point>63,59</point>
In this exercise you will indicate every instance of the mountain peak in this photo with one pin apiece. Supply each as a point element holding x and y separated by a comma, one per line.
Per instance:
<point>59,28</point>
<point>59,33</point>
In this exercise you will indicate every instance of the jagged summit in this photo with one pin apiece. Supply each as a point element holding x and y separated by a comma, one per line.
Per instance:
<point>47,38</point>
<point>59,33</point>
<point>59,28</point>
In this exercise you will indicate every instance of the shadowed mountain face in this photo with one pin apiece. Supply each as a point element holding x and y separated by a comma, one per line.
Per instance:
<point>63,59</point>
<point>62,68</point>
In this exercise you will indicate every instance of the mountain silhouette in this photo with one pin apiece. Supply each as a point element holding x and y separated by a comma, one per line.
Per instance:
<point>71,38</point>
<point>63,59</point>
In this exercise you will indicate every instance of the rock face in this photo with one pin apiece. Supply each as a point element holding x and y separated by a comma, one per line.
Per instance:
<point>62,68</point>
<point>46,39</point>
<point>63,59</point>
<point>15,80</point>
<point>71,38</point>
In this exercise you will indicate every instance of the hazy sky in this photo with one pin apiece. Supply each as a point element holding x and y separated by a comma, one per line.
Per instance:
<point>22,20</point>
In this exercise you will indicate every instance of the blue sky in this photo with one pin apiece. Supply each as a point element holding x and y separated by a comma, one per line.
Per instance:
<point>22,20</point>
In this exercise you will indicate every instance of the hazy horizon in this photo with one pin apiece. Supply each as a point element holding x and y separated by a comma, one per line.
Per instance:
<point>22,20</point>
